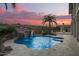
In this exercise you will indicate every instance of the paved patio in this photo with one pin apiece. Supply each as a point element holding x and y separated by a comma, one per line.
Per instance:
<point>70,47</point>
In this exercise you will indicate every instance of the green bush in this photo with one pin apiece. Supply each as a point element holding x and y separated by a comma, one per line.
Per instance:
<point>44,32</point>
<point>7,30</point>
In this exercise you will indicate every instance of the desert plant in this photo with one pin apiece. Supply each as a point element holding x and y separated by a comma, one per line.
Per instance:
<point>50,19</point>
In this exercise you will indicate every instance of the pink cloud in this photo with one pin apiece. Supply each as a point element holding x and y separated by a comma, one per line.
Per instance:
<point>20,8</point>
<point>65,21</point>
<point>2,10</point>
<point>23,16</point>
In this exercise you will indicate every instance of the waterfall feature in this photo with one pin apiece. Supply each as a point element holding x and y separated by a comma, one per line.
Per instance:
<point>32,33</point>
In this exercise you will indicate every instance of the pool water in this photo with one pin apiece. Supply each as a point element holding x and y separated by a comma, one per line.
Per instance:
<point>38,42</point>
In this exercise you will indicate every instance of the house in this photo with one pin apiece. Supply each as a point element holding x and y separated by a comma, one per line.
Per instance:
<point>74,12</point>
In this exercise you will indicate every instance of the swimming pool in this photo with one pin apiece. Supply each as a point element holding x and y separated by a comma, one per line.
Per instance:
<point>38,42</point>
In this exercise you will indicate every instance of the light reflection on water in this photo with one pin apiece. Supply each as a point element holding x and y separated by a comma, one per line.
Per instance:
<point>38,43</point>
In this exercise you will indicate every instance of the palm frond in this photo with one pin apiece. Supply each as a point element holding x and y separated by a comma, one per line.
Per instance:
<point>13,5</point>
<point>55,22</point>
<point>43,22</point>
<point>6,6</point>
<point>49,18</point>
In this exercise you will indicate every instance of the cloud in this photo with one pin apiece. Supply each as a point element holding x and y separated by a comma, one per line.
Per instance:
<point>65,21</point>
<point>2,10</point>
<point>23,17</point>
<point>64,17</point>
<point>27,17</point>
<point>19,8</point>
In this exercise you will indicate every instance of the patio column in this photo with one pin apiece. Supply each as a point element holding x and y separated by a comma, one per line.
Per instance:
<point>77,31</point>
<point>74,27</point>
<point>77,27</point>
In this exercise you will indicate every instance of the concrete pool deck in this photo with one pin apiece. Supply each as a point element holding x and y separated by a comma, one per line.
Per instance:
<point>70,47</point>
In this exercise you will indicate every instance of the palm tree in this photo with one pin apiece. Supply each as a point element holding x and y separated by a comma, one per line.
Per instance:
<point>50,19</point>
<point>13,5</point>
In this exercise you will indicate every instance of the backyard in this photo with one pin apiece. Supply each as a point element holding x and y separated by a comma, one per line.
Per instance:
<point>36,30</point>
<point>69,46</point>
<point>9,36</point>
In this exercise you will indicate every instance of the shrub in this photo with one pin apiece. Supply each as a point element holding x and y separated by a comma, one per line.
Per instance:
<point>7,30</point>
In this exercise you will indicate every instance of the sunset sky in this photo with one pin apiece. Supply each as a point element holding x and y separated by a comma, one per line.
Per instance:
<point>32,13</point>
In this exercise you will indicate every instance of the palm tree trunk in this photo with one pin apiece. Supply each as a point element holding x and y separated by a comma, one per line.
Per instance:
<point>49,27</point>
<point>52,27</point>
